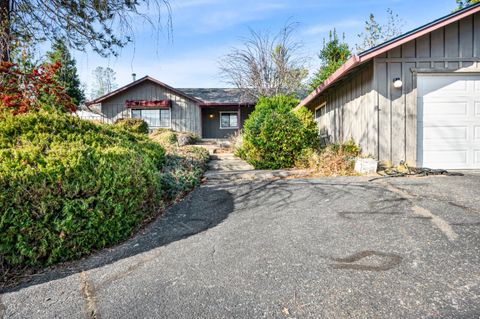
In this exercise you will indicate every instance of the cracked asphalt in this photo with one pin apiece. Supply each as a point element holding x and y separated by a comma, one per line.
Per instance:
<point>312,248</point>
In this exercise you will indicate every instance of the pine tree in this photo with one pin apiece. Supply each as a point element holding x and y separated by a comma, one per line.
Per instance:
<point>67,74</point>
<point>333,54</point>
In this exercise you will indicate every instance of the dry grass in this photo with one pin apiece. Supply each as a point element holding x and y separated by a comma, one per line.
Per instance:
<point>334,160</point>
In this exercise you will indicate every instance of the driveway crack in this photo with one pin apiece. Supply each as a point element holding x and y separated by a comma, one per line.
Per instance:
<point>439,222</point>
<point>3,309</point>
<point>88,293</point>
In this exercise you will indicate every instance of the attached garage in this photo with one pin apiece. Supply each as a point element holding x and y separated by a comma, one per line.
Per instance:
<point>449,121</point>
<point>413,99</point>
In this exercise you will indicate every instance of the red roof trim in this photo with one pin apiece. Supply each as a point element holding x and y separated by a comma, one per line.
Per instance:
<point>130,85</point>
<point>355,61</point>
<point>216,104</point>
<point>146,103</point>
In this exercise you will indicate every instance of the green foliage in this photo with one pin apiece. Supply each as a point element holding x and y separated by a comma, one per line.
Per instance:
<point>183,170</point>
<point>165,137</point>
<point>67,75</point>
<point>274,135</point>
<point>68,187</point>
<point>138,126</point>
<point>376,33</point>
<point>169,138</point>
<point>333,54</point>
<point>465,3</point>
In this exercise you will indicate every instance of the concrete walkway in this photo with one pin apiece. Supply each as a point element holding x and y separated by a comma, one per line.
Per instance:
<point>224,166</point>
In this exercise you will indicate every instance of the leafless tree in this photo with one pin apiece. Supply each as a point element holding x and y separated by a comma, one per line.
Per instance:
<point>267,64</point>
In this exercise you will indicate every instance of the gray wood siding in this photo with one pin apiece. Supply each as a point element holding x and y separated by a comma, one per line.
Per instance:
<point>349,110</point>
<point>456,47</point>
<point>382,119</point>
<point>186,114</point>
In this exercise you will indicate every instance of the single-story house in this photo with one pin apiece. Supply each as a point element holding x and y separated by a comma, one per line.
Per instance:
<point>415,98</point>
<point>211,113</point>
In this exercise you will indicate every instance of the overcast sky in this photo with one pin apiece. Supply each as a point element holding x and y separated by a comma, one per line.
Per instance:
<point>204,30</point>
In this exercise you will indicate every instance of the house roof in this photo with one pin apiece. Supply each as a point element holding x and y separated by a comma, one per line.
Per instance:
<point>369,54</point>
<point>218,95</point>
<point>137,82</point>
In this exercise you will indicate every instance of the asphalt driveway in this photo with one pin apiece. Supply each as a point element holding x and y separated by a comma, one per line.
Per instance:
<point>321,248</point>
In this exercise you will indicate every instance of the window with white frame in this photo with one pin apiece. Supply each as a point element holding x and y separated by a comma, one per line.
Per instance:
<point>156,118</point>
<point>228,120</point>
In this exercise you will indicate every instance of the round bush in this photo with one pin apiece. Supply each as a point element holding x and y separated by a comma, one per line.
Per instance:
<point>275,135</point>
<point>68,186</point>
<point>138,126</point>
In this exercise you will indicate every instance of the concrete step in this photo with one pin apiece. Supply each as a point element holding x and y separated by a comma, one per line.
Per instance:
<point>229,165</point>
<point>252,175</point>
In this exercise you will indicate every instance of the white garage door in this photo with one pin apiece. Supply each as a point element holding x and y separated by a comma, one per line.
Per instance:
<point>449,121</point>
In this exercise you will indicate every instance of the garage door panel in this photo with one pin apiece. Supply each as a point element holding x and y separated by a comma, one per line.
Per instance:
<point>477,108</point>
<point>441,86</point>
<point>446,133</point>
<point>439,108</point>
<point>449,121</point>
<point>446,157</point>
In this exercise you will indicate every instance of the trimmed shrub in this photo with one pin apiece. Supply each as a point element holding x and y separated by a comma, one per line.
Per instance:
<point>183,170</point>
<point>275,135</point>
<point>138,126</point>
<point>68,186</point>
<point>168,137</point>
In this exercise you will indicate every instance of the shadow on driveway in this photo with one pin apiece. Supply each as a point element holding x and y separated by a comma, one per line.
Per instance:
<point>202,209</point>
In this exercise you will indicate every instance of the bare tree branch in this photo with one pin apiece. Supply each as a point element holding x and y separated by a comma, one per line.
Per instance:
<point>103,25</point>
<point>267,64</point>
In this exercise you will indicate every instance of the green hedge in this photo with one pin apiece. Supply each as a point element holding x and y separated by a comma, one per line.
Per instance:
<point>68,186</point>
<point>133,125</point>
<point>274,135</point>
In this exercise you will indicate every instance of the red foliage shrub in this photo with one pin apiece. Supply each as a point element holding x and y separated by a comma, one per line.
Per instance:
<point>22,92</point>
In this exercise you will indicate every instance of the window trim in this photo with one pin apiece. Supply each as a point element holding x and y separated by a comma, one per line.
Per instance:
<point>324,104</point>
<point>230,127</point>
<point>158,109</point>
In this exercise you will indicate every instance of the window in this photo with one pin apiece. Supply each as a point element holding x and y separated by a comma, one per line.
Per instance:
<point>156,118</point>
<point>320,111</point>
<point>228,120</point>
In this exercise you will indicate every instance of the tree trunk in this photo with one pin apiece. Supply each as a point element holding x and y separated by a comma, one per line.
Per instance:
<point>5,41</point>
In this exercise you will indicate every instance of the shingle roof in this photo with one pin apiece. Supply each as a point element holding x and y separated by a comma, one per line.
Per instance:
<point>218,95</point>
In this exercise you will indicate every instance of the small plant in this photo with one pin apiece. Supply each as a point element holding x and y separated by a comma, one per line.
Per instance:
<point>334,160</point>
<point>133,125</point>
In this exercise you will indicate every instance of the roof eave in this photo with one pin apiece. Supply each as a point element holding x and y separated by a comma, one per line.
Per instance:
<point>344,69</point>
<point>387,46</point>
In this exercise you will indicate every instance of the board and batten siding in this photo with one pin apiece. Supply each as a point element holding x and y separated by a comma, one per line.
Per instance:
<point>366,107</point>
<point>350,112</point>
<point>185,113</point>
<point>453,48</point>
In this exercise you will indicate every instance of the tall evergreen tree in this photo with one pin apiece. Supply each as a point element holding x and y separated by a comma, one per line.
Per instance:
<point>333,54</point>
<point>67,74</point>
